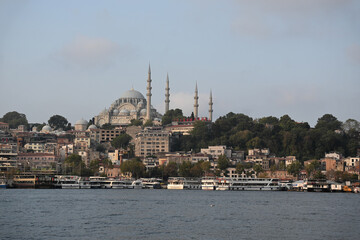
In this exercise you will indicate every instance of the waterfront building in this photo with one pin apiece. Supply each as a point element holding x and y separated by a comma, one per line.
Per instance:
<point>36,160</point>
<point>152,140</point>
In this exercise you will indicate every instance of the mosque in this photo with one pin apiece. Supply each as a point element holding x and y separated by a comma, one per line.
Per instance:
<point>133,105</point>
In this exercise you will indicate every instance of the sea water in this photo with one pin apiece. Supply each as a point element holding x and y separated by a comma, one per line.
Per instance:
<point>177,214</point>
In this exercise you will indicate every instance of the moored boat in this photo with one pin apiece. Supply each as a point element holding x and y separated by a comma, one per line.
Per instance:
<point>208,183</point>
<point>255,184</point>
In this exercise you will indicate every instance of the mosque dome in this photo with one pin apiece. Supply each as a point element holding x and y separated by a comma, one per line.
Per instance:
<point>124,112</point>
<point>92,126</point>
<point>81,122</point>
<point>143,112</point>
<point>132,94</point>
<point>133,111</point>
<point>116,112</point>
<point>46,128</point>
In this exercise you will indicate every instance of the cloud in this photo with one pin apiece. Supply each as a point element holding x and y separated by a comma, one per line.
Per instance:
<point>353,53</point>
<point>89,52</point>
<point>265,18</point>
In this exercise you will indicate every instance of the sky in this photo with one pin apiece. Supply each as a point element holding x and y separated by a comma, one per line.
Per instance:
<point>258,57</point>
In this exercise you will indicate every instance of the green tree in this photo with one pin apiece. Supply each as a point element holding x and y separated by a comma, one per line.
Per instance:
<point>311,168</point>
<point>107,126</point>
<point>294,168</point>
<point>14,119</point>
<point>74,165</point>
<point>223,163</point>
<point>171,170</point>
<point>328,122</point>
<point>148,123</point>
<point>240,168</point>
<point>171,115</point>
<point>185,169</point>
<point>133,166</point>
<point>121,141</point>
<point>135,122</point>
<point>258,169</point>
<point>58,122</point>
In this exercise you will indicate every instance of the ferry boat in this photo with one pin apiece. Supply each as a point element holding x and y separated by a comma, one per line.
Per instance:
<point>97,182</point>
<point>137,184</point>
<point>316,186</point>
<point>223,184</point>
<point>180,183</point>
<point>84,183</point>
<point>208,183</point>
<point>3,183</point>
<point>257,184</point>
<point>151,183</point>
<point>33,181</point>
<point>67,182</point>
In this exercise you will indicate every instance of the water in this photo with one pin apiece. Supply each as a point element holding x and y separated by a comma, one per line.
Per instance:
<point>172,214</point>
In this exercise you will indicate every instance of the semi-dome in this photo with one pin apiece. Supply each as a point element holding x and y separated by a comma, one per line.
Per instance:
<point>81,122</point>
<point>124,112</point>
<point>92,126</point>
<point>143,112</point>
<point>46,128</point>
<point>132,94</point>
<point>133,111</point>
<point>116,112</point>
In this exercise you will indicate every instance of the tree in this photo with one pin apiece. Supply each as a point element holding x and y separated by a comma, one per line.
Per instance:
<point>100,148</point>
<point>171,170</point>
<point>148,123</point>
<point>135,122</point>
<point>74,165</point>
<point>311,168</point>
<point>185,169</point>
<point>171,115</point>
<point>14,119</point>
<point>328,122</point>
<point>240,168</point>
<point>121,141</point>
<point>133,166</point>
<point>294,168</point>
<point>223,162</point>
<point>57,122</point>
<point>107,126</point>
<point>257,168</point>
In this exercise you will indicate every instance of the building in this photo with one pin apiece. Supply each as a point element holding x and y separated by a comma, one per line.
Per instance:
<point>132,105</point>
<point>105,135</point>
<point>36,160</point>
<point>4,127</point>
<point>216,151</point>
<point>81,125</point>
<point>152,140</point>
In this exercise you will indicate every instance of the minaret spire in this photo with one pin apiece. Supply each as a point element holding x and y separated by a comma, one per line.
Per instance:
<point>196,104</point>
<point>148,95</point>
<point>210,107</point>
<point>167,94</point>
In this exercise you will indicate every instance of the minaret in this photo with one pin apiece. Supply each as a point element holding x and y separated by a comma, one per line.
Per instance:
<point>210,107</point>
<point>196,104</point>
<point>148,95</point>
<point>167,94</point>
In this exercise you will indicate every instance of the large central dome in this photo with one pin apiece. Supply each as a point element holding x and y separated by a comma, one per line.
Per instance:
<point>132,94</point>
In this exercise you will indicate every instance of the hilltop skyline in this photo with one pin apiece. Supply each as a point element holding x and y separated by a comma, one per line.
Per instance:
<point>263,58</point>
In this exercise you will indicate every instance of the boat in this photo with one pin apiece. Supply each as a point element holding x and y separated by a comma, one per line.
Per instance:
<point>137,184</point>
<point>3,183</point>
<point>208,183</point>
<point>223,184</point>
<point>33,181</point>
<point>67,182</point>
<point>151,183</point>
<point>180,183</point>
<point>97,182</point>
<point>257,184</point>
<point>84,183</point>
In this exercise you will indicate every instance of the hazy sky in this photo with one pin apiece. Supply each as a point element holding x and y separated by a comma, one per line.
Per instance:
<point>259,57</point>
